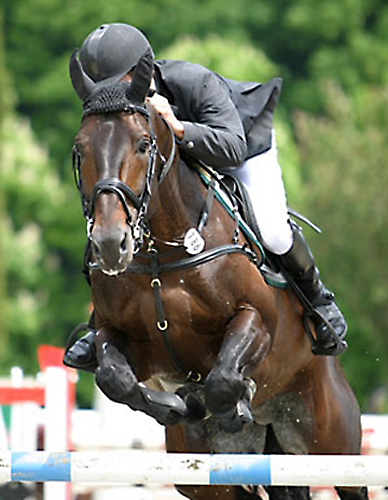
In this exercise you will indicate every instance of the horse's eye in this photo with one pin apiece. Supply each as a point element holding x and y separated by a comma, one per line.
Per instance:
<point>143,146</point>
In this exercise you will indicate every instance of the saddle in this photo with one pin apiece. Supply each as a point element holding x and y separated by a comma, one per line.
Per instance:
<point>233,195</point>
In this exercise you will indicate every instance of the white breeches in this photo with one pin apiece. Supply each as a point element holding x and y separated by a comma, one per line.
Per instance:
<point>262,176</point>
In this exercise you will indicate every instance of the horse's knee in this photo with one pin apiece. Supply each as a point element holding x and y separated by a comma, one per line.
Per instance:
<point>246,343</point>
<point>114,376</point>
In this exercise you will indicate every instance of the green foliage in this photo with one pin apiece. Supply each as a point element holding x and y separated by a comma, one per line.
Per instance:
<point>5,96</point>
<point>345,42</point>
<point>344,153</point>
<point>230,58</point>
<point>35,201</point>
<point>42,236</point>
<point>330,137</point>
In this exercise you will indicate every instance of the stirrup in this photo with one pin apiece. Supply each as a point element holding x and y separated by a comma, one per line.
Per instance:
<point>310,313</point>
<point>336,348</point>
<point>89,366</point>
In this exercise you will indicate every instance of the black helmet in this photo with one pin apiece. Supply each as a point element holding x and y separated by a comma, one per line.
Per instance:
<point>112,50</point>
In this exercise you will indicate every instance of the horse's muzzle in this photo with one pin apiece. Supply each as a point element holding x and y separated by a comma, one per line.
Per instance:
<point>112,249</point>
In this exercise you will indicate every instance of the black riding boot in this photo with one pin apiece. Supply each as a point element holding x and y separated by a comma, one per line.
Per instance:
<point>81,354</point>
<point>299,267</point>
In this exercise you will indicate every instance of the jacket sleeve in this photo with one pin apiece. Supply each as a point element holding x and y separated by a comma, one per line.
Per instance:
<point>216,135</point>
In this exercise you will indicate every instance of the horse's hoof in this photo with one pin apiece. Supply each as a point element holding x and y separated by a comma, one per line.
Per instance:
<point>234,420</point>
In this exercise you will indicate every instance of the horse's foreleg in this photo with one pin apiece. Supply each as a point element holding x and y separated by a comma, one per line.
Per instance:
<point>353,493</point>
<point>118,382</point>
<point>228,391</point>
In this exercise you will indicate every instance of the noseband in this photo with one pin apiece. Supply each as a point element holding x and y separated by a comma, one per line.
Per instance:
<point>124,193</point>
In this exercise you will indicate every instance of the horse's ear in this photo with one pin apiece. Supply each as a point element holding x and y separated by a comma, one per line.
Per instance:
<point>82,83</point>
<point>141,80</point>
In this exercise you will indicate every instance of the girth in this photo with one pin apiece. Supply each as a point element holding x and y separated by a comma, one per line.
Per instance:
<point>186,262</point>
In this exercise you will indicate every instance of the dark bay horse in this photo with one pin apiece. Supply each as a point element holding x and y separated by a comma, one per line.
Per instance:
<point>194,336</point>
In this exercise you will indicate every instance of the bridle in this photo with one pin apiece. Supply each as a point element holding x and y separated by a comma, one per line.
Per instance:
<point>124,193</point>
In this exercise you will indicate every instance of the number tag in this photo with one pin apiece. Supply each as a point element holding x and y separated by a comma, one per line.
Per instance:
<point>193,242</point>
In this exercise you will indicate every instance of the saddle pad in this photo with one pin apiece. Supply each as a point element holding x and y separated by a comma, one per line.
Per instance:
<point>229,200</point>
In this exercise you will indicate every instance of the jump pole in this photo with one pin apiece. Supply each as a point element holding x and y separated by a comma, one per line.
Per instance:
<point>56,393</point>
<point>139,467</point>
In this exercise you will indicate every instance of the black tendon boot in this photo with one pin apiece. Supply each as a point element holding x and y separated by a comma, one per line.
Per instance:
<point>81,353</point>
<point>330,326</point>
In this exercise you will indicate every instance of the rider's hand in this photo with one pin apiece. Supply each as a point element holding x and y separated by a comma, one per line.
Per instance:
<point>163,107</point>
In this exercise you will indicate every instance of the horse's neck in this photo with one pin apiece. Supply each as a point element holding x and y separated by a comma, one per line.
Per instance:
<point>179,202</point>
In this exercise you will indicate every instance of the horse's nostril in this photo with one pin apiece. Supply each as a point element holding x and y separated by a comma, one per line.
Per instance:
<point>123,245</point>
<point>95,248</point>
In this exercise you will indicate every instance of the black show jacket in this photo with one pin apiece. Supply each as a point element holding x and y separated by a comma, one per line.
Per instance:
<point>225,121</point>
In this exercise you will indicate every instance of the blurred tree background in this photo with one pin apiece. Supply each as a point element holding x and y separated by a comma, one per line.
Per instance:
<point>331,125</point>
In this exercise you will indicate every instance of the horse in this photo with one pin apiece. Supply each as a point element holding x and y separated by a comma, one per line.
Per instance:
<point>188,331</point>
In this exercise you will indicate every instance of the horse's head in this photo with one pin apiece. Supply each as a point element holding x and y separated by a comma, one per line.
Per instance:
<point>115,162</point>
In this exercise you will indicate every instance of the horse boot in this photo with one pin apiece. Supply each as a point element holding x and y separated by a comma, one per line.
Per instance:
<point>81,353</point>
<point>299,268</point>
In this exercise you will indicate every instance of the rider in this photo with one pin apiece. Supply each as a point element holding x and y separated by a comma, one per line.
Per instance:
<point>227,125</point>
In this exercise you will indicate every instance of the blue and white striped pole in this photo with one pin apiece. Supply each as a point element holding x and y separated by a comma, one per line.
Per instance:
<point>139,467</point>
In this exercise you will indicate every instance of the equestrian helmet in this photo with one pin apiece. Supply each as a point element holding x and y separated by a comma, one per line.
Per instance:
<point>112,50</point>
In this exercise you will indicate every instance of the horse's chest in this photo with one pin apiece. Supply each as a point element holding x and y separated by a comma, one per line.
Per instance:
<point>197,310</point>
<point>183,304</point>
<point>181,316</point>
<point>185,314</point>
<point>198,298</point>
<point>176,324</point>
